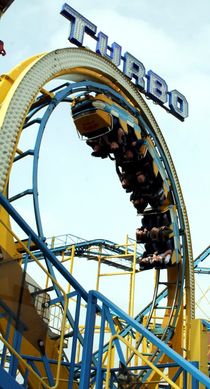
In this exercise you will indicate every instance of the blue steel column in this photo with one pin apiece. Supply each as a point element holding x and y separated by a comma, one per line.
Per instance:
<point>88,342</point>
<point>74,343</point>
<point>7,381</point>
<point>99,376</point>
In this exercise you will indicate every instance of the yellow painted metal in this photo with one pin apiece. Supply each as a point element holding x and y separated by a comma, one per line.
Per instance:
<point>46,93</point>
<point>115,273</point>
<point>177,343</point>
<point>146,361</point>
<point>63,383</point>
<point>199,346</point>
<point>144,341</point>
<point>71,266</point>
<point>132,283</point>
<point>119,255</point>
<point>7,245</point>
<point>177,340</point>
<point>93,121</point>
<point>9,81</point>
<point>132,273</point>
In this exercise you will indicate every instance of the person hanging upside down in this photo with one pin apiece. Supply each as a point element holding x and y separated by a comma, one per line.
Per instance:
<point>157,254</point>
<point>111,142</point>
<point>159,234</point>
<point>100,148</point>
<point>156,260</point>
<point>158,241</point>
<point>138,201</point>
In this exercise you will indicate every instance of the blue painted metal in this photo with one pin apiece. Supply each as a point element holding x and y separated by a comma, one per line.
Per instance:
<point>43,123</point>
<point>13,359</point>
<point>195,383</point>
<point>59,299</point>
<point>88,342</point>
<point>112,246</point>
<point>33,365</point>
<point>109,319</point>
<point>184,379</point>
<point>35,121</point>
<point>48,370</point>
<point>202,256</point>
<point>4,351</point>
<point>25,378</point>
<point>164,348</point>
<point>74,343</point>
<point>99,374</point>
<point>25,154</point>
<point>202,270</point>
<point>206,323</point>
<point>22,194</point>
<point>7,381</point>
<point>83,247</point>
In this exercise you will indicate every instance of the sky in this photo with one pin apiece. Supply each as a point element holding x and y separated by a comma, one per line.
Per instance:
<point>78,194</point>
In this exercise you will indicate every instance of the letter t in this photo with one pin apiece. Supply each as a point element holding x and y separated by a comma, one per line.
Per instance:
<point>79,25</point>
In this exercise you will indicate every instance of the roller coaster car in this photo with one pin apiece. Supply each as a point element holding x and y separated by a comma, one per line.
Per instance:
<point>93,116</point>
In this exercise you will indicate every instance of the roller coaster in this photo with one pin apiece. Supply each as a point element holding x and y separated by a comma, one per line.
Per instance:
<point>54,332</point>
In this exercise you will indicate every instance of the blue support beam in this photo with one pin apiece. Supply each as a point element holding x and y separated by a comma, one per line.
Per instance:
<point>202,270</point>
<point>202,256</point>
<point>7,381</point>
<point>48,371</point>
<point>206,323</point>
<point>88,342</point>
<point>74,343</point>
<point>99,374</point>
<point>188,367</point>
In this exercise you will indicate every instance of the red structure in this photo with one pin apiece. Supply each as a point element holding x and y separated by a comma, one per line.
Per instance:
<point>2,50</point>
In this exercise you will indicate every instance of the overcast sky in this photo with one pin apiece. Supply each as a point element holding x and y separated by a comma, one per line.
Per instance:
<point>172,39</point>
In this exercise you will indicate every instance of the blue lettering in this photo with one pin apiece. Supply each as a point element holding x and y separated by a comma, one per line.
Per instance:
<point>102,46</point>
<point>178,104</point>
<point>134,69</point>
<point>156,87</point>
<point>79,25</point>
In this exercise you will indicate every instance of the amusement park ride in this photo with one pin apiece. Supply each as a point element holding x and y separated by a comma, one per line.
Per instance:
<point>54,333</point>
